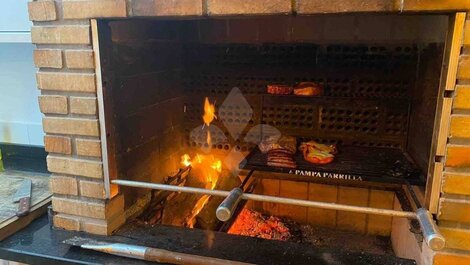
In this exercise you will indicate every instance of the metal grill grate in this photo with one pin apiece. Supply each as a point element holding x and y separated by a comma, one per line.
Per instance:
<point>366,99</point>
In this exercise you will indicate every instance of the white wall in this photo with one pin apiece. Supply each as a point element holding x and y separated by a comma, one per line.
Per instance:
<point>20,119</point>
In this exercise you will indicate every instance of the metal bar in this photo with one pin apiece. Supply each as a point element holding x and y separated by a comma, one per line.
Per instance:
<point>266,198</point>
<point>226,208</point>
<point>247,178</point>
<point>431,234</point>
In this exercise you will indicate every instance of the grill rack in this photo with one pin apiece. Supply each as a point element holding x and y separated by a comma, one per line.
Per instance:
<point>352,164</point>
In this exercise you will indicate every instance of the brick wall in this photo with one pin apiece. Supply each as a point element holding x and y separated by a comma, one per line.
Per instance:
<point>348,221</point>
<point>454,204</point>
<point>66,78</point>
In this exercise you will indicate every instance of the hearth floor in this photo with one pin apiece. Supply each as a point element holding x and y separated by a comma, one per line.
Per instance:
<point>39,244</point>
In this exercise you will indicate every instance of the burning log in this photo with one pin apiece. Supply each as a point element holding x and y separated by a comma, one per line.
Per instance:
<point>154,211</point>
<point>179,209</point>
<point>206,219</point>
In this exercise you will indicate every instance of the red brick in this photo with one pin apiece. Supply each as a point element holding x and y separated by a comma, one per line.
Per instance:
<point>454,210</point>
<point>48,58</point>
<point>78,9</point>
<point>73,126</point>
<point>70,82</point>
<point>87,147</point>
<point>61,34</point>
<point>58,144</point>
<point>236,7</point>
<point>79,59</point>
<point>73,166</point>
<point>166,8</point>
<point>92,189</point>
<point>342,6</point>
<point>42,10</point>
<point>67,222</point>
<point>83,105</point>
<point>54,104</point>
<point>64,185</point>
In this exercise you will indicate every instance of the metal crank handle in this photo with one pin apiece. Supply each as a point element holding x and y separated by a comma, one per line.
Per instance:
<point>431,234</point>
<point>225,210</point>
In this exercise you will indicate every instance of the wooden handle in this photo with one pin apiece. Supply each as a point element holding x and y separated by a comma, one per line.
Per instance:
<point>23,207</point>
<point>166,256</point>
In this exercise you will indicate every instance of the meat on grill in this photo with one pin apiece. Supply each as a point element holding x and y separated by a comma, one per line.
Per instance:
<point>281,158</point>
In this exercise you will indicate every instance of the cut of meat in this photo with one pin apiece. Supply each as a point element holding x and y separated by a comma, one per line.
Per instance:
<point>280,164</point>
<point>281,151</point>
<point>281,160</point>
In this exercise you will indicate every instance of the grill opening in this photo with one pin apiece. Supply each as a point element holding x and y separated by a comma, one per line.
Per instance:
<point>380,89</point>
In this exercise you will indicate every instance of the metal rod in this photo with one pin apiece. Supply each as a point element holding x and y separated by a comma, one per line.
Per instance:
<point>228,206</point>
<point>247,178</point>
<point>266,198</point>
<point>431,234</point>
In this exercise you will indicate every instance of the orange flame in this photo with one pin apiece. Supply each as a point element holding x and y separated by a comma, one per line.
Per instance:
<point>207,166</point>
<point>186,160</point>
<point>209,112</point>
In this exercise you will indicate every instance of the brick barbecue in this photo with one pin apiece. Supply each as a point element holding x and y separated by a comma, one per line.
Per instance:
<point>74,79</point>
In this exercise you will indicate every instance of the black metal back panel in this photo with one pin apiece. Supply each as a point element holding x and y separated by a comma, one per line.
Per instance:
<point>367,90</point>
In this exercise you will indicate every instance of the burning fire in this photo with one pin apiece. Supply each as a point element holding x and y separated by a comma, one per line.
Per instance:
<point>205,166</point>
<point>209,112</point>
<point>205,163</point>
<point>208,117</point>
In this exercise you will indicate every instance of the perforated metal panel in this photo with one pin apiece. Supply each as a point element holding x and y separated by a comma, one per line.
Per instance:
<point>365,103</point>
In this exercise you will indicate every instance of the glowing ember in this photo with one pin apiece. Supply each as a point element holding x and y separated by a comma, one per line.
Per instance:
<point>254,224</point>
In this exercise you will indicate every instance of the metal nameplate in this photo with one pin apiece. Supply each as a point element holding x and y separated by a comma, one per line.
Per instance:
<point>328,175</point>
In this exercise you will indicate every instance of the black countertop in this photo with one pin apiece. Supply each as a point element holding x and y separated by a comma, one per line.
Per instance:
<point>40,244</point>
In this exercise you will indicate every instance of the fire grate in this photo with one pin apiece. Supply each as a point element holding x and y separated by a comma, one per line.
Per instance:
<point>352,163</point>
